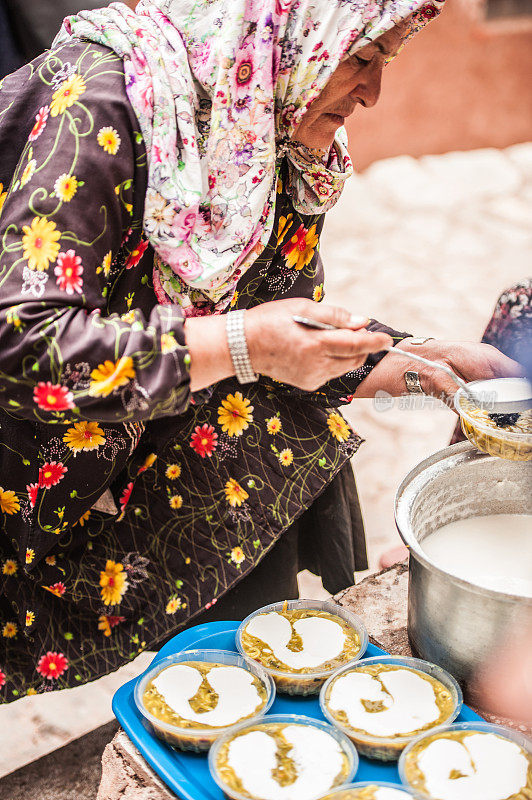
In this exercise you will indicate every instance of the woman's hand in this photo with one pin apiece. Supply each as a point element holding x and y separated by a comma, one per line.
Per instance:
<point>469,360</point>
<point>282,349</point>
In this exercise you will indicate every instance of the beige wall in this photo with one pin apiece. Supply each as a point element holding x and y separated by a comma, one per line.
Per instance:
<point>460,84</point>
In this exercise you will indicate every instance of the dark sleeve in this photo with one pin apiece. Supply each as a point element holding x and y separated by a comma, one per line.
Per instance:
<point>66,229</point>
<point>340,391</point>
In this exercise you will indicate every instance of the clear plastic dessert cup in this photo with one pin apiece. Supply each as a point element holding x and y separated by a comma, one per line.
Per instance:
<point>407,758</point>
<point>310,681</point>
<point>281,719</point>
<point>360,791</point>
<point>487,436</point>
<point>194,737</point>
<point>389,748</point>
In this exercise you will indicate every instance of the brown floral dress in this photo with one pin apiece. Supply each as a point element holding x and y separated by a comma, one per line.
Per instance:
<point>126,505</point>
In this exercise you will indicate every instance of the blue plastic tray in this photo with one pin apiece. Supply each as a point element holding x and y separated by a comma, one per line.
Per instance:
<point>187,774</point>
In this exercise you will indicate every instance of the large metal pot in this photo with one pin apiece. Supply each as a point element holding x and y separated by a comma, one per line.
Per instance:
<point>450,621</point>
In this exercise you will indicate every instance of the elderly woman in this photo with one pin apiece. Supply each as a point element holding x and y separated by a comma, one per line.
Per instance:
<point>165,420</point>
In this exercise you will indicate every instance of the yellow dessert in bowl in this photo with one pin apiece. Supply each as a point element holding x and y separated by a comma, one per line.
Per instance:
<point>510,441</point>
<point>282,757</point>
<point>193,697</point>
<point>300,643</point>
<point>383,703</point>
<point>473,760</point>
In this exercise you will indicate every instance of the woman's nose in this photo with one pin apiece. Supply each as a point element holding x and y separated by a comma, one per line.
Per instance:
<point>369,89</point>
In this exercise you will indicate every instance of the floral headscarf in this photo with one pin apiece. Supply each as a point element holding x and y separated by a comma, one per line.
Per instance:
<point>218,87</point>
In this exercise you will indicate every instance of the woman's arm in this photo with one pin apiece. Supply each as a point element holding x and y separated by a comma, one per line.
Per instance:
<point>67,234</point>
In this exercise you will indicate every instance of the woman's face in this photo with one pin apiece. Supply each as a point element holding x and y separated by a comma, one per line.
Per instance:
<point>357,79</point>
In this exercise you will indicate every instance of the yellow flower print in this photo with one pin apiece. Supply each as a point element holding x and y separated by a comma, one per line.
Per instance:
<point>30,618</point>
<point>173,605</point>
<point>113,582</point>
<point>66,187</point>
<point>9,630</point>
<point>317,294</point>
<point>3,196</point>
<point>51,560</point>
<point>235,414</point>
<point>9,502</point>
<point>109,139</point>
<point>81,521</point>
<point>234,493</point>
<point>28,172</point>
<point>149,461</point>
<point>286,457</point>
<point>9,567</point>
<point>67,94</point>
<point>106,263</point>
<point>282,228</point>
<point>168,343</point>
<point>237,555</point>
<point>234,300</point>
<point>176,501</point>
<point>30,555</point>
<point>129,317</point>
<point>40,243</point>
<point>273,425</point>
<point>31,691</point>
<point>338,427</point>
<point>173,471</point>
<point>299,249</point>
<point>110,376</point>
<point>84,436</point>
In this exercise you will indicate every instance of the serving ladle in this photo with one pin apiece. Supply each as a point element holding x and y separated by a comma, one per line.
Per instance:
<point>517,392</point>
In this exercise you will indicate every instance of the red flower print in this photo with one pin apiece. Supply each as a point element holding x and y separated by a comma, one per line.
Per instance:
<point>32,490</point>
<point>40,123</point>
<point>58,588</point>
<point>124,500</point>
<point>69,272</point>
<point>51,473</point>
<point>2,678</point>
<point>137,254</point>
<point>204,440</point>
<point>429,12</point>
<point>52,665</point>
<point>53,397</point>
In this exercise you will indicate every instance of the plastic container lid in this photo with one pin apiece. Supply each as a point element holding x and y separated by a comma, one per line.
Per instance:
<point>284,719</point>
<point>412,663</point>
<point>401,792</point>
<point>206,656</point>
<point>314,605</point>
<point>483,727</point>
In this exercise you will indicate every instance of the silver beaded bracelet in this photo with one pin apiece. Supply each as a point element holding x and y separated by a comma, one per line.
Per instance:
<point>238,348</point>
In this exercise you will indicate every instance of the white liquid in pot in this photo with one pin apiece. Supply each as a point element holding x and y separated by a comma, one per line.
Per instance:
<point>494,551</point>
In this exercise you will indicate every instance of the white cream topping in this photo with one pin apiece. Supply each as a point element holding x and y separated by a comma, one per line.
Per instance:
<point>385,793</point>
<point>237,696</point>
<point>493,768</point>
<point>493,551</point>
<point>322,639</point>
<point>410,701</point>
<point>317,757</point>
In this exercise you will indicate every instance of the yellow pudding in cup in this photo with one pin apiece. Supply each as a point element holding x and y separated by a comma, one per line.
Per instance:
<point>382,703</point>
<point>300,643</point>
<point>193,697</point>
<point>282,757</point>
<point>474,760</point>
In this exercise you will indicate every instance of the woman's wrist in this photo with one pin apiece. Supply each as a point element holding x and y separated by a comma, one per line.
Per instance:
<point>210,359</point>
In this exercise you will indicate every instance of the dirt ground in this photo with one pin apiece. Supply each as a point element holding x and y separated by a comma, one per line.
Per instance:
<point>424,245</point>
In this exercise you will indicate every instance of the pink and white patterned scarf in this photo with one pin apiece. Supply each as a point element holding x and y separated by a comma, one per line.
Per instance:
<point>219,87</point>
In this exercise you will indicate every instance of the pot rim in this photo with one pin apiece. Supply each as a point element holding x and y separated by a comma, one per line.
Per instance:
<point>418,478</point>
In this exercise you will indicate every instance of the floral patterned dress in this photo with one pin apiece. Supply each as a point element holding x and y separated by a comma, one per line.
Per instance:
<point>127,505</point>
